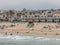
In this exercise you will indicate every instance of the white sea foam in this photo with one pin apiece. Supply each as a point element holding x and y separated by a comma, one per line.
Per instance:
<point>27,38</point>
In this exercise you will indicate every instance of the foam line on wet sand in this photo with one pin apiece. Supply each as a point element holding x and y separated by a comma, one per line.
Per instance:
<point>15,37</point>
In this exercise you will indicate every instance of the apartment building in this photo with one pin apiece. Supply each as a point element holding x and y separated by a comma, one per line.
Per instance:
<point>31,15</point>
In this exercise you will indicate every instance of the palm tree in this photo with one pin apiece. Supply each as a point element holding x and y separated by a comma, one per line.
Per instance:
<point>11,12</point>
<point>30,13</point>
<point>33,13</point>
<point>6,18</point>
<point>24,9</point>
<point>19,14</point>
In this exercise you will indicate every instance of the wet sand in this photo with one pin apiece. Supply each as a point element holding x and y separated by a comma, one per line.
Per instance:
<point>38,29</point>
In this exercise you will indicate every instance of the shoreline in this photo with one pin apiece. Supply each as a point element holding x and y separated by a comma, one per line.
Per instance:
<point>33,35</point>
<point>27,37</point>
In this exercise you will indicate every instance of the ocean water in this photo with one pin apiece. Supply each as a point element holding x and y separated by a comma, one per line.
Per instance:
<point>29,40</point>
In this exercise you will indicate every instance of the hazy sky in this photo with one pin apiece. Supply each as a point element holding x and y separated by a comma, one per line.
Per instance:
<point>29,4</point>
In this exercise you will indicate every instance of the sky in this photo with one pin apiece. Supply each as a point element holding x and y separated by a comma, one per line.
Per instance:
<point>29,4</point>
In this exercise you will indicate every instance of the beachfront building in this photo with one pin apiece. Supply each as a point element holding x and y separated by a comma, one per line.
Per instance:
<point>46,16</point>
<point>31,15</point>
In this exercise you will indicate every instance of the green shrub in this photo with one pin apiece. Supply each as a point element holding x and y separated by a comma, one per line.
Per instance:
<point>30,25</point>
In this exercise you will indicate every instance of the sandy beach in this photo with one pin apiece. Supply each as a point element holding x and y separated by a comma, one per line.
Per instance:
<point>22,29</point>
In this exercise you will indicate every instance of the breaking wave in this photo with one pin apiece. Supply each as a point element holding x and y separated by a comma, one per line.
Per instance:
<point>28,38</point>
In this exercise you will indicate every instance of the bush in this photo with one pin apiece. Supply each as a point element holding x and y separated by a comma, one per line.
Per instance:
<point>30,25</point>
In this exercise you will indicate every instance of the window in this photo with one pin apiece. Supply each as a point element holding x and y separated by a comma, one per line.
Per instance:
<point>35,16</point>
<point>45,16</point>
<point>50,16</point>
<point>25,16</point>
<point>58,16</point>
<point>41,16</point>
<point>55,16</point>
